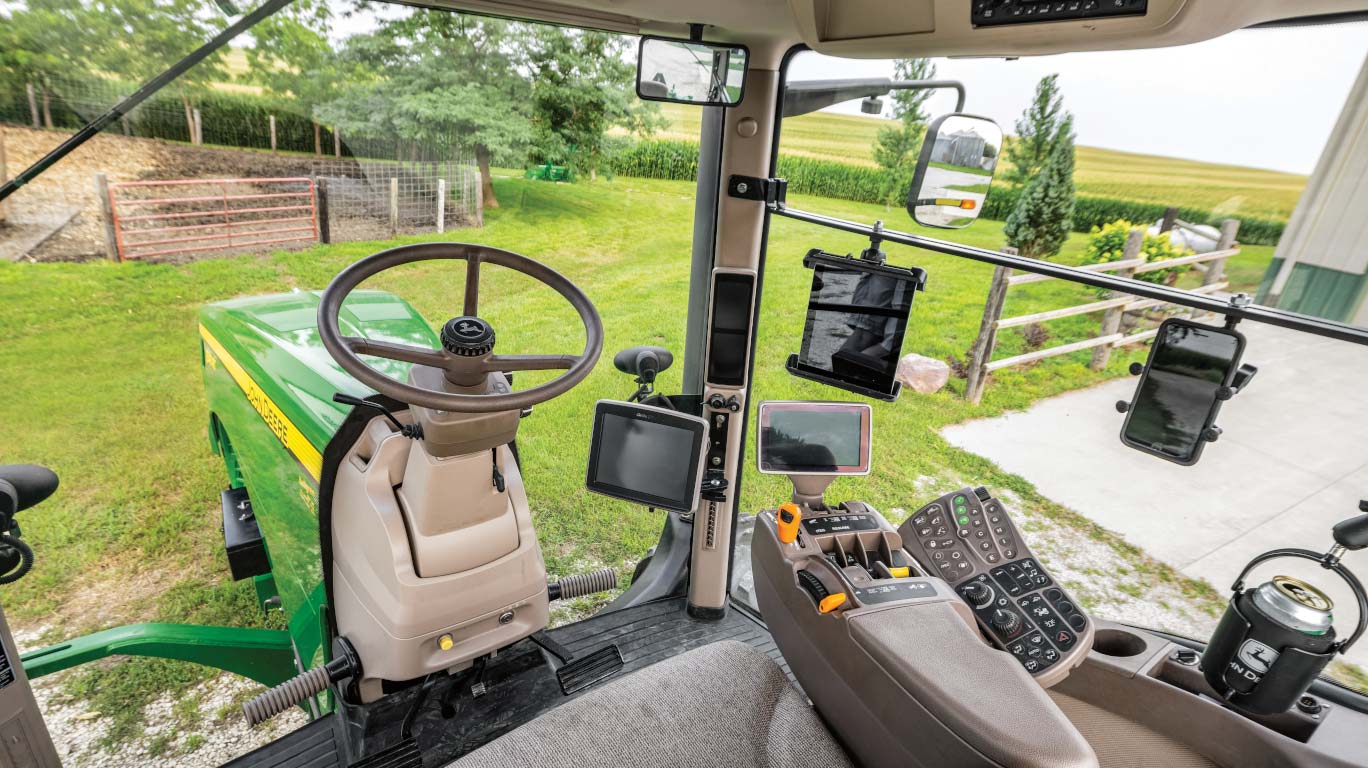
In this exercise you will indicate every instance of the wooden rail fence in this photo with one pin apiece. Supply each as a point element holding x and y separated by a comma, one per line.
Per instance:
<point>1113,308</point>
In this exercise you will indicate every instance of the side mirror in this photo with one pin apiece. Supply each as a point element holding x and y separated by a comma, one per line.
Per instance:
<point>687,72</point>
<point>958,158</point>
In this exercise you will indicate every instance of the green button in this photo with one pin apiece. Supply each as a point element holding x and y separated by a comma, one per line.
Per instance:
<point>960,499</point>
<point>964,521</point>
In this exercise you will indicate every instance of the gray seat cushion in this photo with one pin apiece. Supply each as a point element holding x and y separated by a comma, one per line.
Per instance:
<point>724,704</point>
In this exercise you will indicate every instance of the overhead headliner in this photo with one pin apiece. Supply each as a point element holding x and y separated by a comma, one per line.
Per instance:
<point>895,28</point>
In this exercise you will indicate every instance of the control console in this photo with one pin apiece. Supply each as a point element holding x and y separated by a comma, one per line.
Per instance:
<point>968,539</point>
<point>987,13</point>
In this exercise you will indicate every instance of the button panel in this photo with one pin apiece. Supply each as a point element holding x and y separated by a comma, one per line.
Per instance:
<point>987,13</point>
<point>1014,599</point>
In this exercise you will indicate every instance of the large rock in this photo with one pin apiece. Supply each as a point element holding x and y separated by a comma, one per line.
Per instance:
<point>923,374</point>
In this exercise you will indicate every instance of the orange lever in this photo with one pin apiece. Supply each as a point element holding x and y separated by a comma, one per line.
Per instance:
<point>789,517</point>
<point>831,602</point>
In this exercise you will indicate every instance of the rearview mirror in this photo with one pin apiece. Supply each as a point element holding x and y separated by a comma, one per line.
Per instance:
<point>688,72</point>
<point>958,158</point>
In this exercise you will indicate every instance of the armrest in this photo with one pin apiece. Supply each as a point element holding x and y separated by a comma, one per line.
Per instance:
<point>976,691</point>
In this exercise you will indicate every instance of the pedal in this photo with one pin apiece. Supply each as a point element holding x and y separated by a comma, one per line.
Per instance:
<point>405,754</point>
<point>587,670</point>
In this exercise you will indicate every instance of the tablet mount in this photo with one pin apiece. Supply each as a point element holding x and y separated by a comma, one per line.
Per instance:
<point>1243,374</point>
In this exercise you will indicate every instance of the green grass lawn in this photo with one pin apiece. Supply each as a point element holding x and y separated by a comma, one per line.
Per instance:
<point>1227,190</point>
<point>101,371</point>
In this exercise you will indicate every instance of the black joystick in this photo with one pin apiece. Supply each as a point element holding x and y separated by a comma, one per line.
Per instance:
<point>1005,621</point>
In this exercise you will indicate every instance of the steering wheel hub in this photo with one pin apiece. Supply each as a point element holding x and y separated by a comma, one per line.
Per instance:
<point>468,337</point>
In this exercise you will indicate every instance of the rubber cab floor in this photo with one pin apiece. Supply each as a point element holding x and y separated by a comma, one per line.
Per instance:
<point>514,687</point>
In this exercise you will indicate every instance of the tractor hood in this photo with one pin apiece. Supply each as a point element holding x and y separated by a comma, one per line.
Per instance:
<point>271,347</point>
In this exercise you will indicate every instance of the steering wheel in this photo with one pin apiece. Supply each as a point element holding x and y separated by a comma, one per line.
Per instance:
<point>466,357</point>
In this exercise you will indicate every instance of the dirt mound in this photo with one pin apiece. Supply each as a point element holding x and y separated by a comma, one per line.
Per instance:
<point>69,187</point>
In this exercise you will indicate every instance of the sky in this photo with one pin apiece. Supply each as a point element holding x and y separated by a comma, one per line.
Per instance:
<point>1266,98</point>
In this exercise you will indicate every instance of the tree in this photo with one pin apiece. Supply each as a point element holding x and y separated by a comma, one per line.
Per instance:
<point>44,41</point>
<point>582,85</point>
<point>436,76</point>
<point>1044,214</point>
<point>293,58</point>
<point>896,146</point>
<point>1037,131</point>
<point>138,39</point>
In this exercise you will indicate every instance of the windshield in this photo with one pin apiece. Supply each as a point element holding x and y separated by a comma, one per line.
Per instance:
<point>331,132</point>
<point>1011,383</point>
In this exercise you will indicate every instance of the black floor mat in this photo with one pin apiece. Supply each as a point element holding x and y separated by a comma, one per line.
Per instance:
<point>519,684</point>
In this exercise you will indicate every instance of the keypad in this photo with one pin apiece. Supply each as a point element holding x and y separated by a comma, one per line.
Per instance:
<point>994,12</point>
<point>969,538</point>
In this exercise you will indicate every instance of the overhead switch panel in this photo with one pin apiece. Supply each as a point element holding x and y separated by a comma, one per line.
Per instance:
<point>997,12</point>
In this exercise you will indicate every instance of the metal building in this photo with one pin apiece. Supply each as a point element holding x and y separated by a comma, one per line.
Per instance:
<point>1321,265</point>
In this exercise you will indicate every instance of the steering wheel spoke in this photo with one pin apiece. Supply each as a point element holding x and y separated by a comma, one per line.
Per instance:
<point>401,352</point>
<point>511,363</point>
<point>471,306</point>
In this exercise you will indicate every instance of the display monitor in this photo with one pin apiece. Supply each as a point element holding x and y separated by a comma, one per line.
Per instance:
<point>647,455</point>
<point>1180,390</point>
<point>802,438</point>
<point>856,320</point>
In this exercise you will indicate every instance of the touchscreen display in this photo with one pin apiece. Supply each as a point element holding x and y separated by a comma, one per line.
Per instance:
<point>856,320</point>
<point>646,455</point>
<point>814,438</point>
<point>1175,399</point>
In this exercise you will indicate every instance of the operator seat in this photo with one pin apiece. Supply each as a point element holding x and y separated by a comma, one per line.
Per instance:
<point>724,704</point>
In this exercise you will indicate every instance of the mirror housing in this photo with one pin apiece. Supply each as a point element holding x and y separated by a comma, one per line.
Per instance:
<point>691,72</point>
<point>958,158</point>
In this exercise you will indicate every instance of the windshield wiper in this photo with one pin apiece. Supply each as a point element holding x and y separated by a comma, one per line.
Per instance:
<point>139,96</point>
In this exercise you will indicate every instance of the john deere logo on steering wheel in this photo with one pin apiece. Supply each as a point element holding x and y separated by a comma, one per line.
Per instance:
<point>470,330</point>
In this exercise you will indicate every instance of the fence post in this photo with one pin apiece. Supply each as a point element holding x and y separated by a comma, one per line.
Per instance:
<point>479,201</point>
<point>4,174</point>
<point>199,128</point>
<point>1216,269</point>
<point>33,105</point>
<point>1111,319</point>
<point>394,206</point>
<point>324,222</point>
<point>982,351</point>
<point>107,217</point>
<point>441,206</point>
<point>127,128</point>
<point>273,134</point>
<point>337,142</point>
<point>1167,223</point>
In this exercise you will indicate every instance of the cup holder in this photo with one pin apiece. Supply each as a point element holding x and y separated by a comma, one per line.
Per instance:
<point>1119,643</point>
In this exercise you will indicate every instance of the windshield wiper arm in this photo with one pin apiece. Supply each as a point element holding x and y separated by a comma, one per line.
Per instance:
<point>243,24</point>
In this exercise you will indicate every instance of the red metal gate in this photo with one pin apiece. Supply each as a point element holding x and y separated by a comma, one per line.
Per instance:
<point>163,218</point>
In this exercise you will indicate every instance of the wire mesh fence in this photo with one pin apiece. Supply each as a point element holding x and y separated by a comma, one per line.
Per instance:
<point>370,188</point>
<point>366,199</point>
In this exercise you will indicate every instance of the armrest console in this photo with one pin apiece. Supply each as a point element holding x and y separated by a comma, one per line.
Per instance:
<point>900,671</point>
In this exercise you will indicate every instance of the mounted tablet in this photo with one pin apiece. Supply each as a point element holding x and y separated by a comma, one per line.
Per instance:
<point>1191,369</point>
<point>647,455</point>
<point>856,320</point>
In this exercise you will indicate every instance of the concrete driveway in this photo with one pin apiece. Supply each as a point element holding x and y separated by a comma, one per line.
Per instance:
<point>1292,462</point>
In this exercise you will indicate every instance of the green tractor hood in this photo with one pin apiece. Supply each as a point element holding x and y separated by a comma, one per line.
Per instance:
<point>270,347</point>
